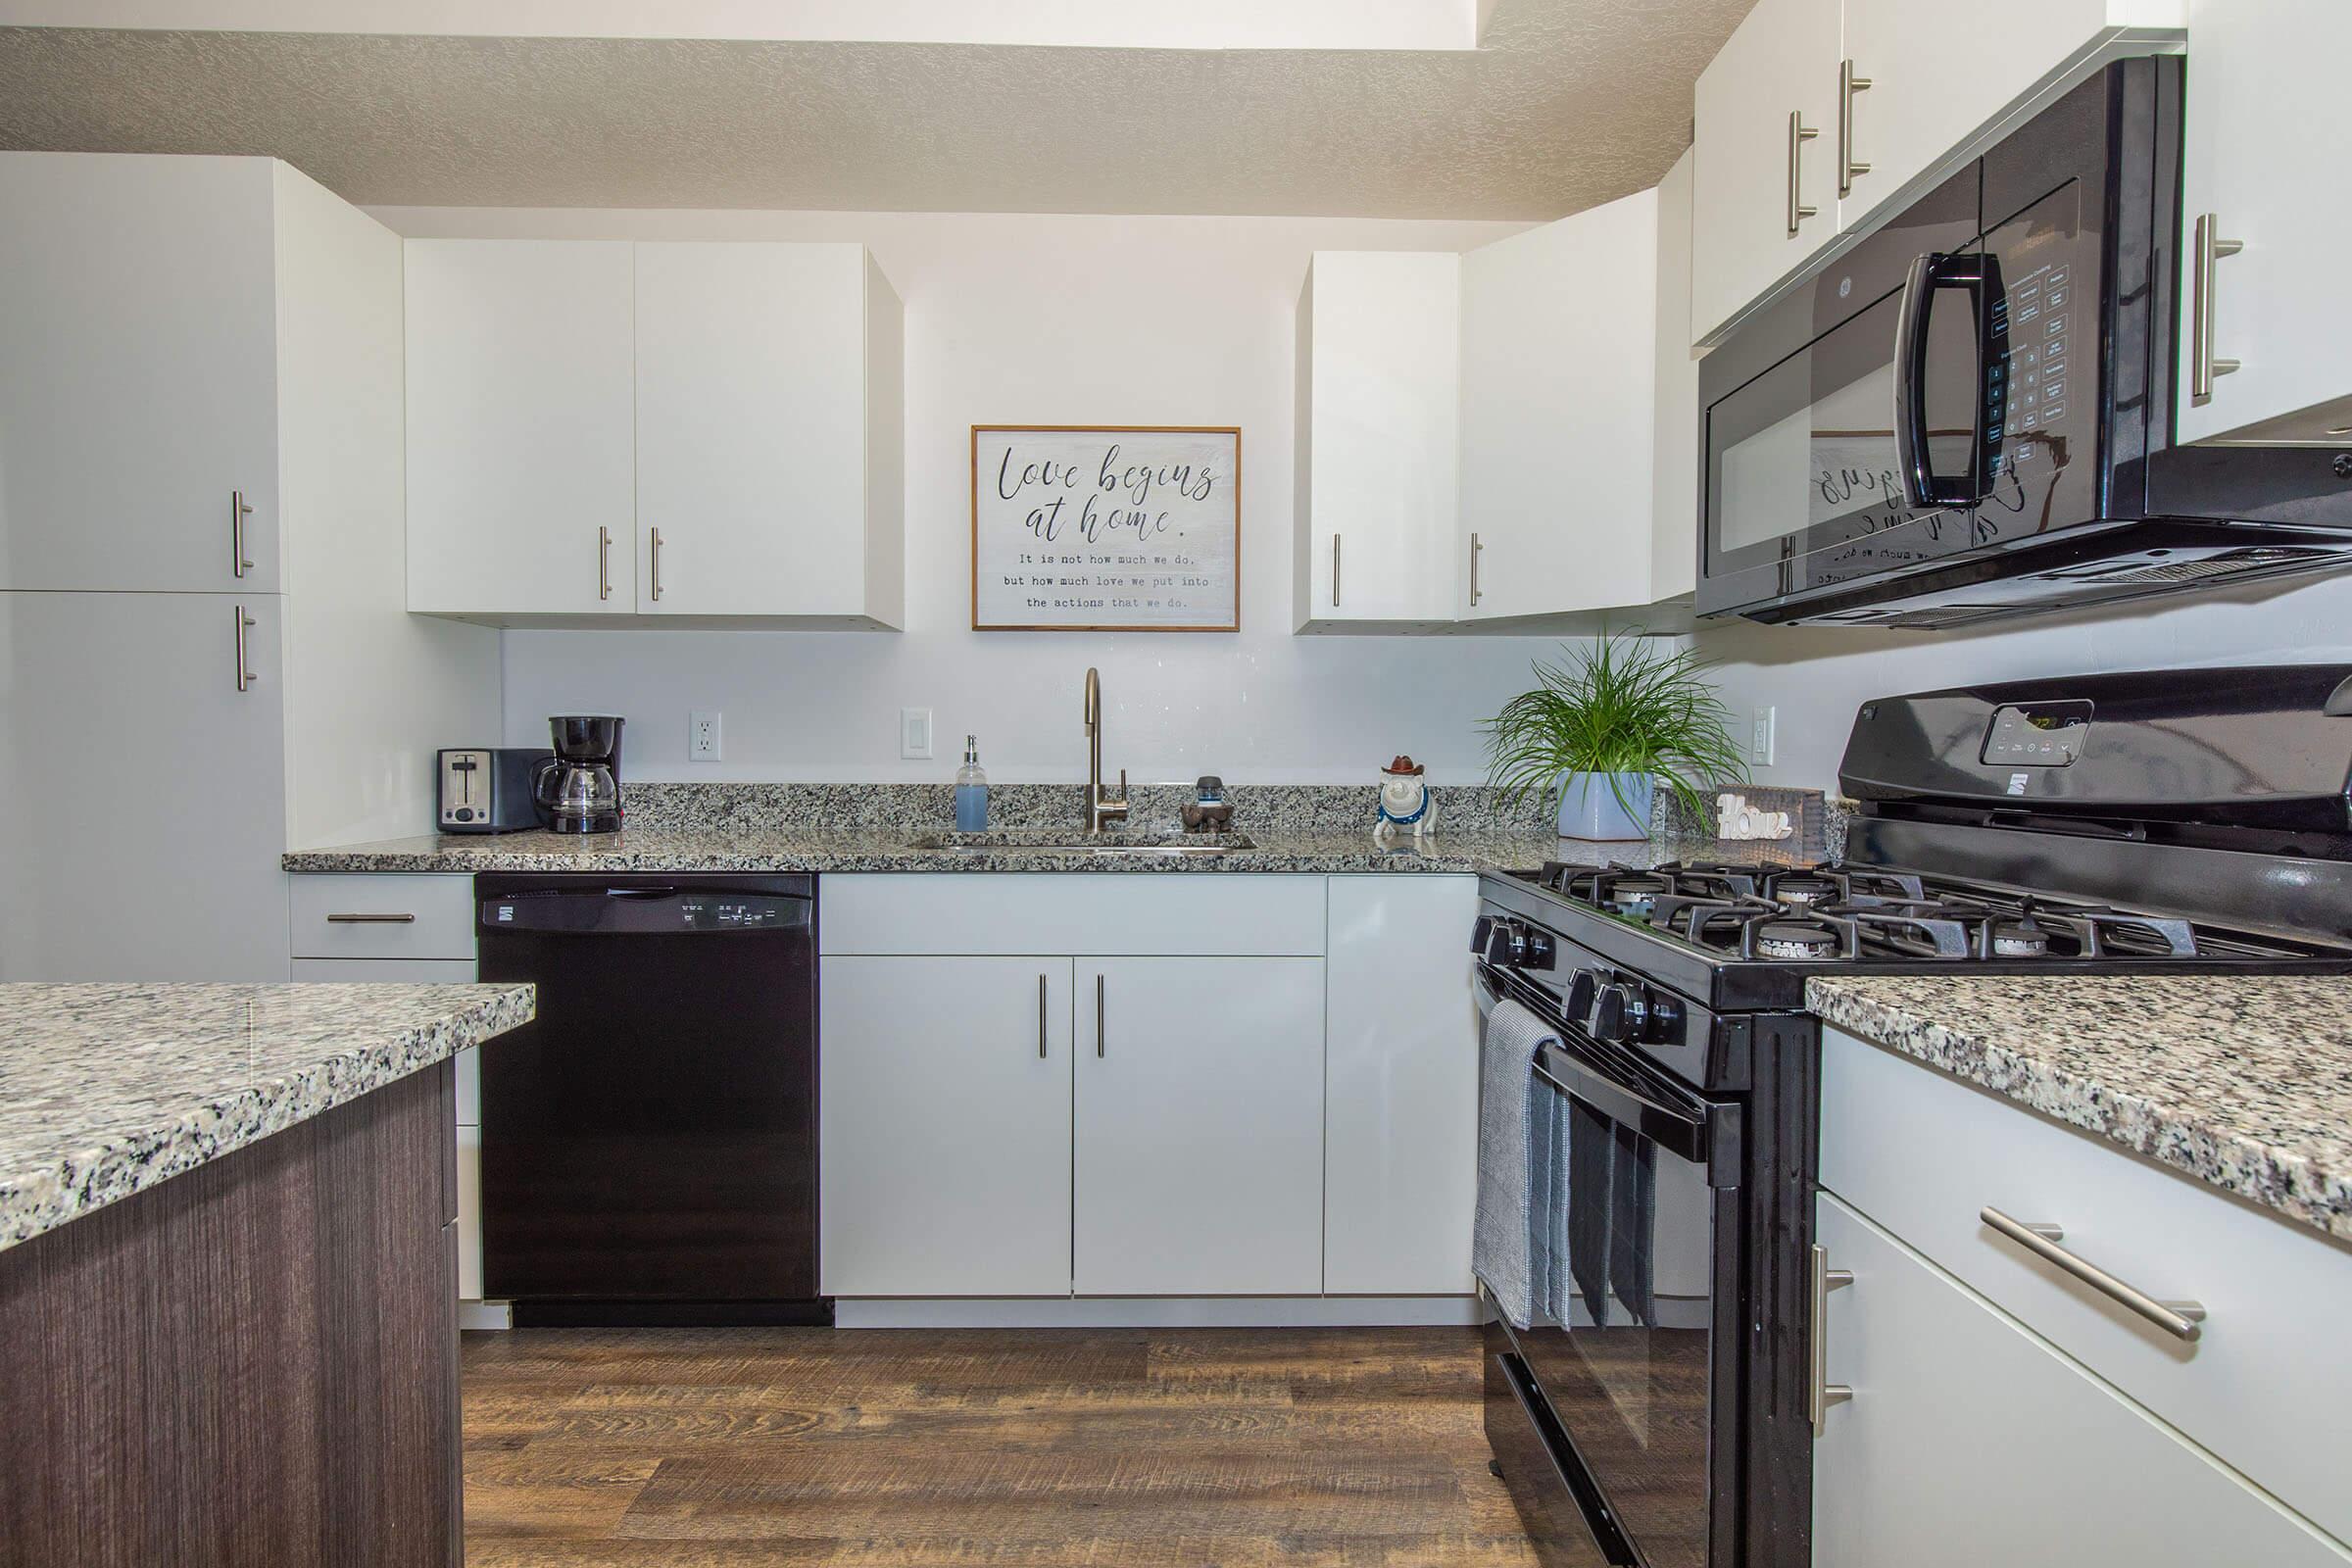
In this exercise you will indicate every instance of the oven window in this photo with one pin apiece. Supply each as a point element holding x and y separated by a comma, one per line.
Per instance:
<point>1634,1272</point>
<point>1802,458</point>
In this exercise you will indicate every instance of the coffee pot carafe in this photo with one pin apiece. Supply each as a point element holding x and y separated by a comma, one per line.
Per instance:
<point>578,789</point>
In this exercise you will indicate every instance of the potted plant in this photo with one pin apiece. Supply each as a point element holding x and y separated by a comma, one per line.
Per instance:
<point>1605,727</point>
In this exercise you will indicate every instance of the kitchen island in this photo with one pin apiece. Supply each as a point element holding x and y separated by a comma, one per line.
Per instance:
<point>226,1271</point>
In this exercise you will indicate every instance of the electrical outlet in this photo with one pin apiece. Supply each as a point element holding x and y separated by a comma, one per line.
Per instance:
<point>702,736</point>
<point>1763,736</point>
<point>915,732</point>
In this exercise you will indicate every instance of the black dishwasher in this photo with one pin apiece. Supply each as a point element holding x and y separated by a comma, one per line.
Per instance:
<point>648,1141</point>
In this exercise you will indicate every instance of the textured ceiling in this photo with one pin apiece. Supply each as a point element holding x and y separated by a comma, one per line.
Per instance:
<point>1570,103</point>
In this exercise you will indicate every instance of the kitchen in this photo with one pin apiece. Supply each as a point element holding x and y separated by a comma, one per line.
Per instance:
<point>323,477</point>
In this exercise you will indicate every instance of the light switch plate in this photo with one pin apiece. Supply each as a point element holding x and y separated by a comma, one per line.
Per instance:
<point>702,736</point>
<point>915,732</point>
<point>1763,736</point>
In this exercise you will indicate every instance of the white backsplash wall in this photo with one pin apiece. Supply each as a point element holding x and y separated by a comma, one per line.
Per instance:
<point>1049,319</point>
<point>1816,677</point>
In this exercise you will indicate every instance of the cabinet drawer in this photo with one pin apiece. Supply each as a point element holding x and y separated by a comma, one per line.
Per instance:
<point>1107,914</point>
<point>1968,1441</point>
<point>2269,1375</point>
<point>384,917</point>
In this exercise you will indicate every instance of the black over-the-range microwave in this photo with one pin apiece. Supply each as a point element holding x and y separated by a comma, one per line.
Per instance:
<point>1970,415</point>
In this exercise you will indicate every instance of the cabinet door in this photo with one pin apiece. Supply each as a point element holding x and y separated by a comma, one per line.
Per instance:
<point>750,429</point>
<point>1381,374</point>
<point>945,1117</point>
<point>1401,1087</point>
<point>521,427</point>
<point>1198,1162</point>
<point>145,792</point>
<point>1783,59</point>
<point>138,372</point>
<point>1968,1441</point>
<point>1559,356</point>
<point>1941,74</point>
<point>2268,140</point>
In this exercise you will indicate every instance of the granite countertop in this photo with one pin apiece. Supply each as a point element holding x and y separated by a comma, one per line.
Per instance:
<point>2242,1082</point>
<point>786,849</point>
<point>107,1089</point>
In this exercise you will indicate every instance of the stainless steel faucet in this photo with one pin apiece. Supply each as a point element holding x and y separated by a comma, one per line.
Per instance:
<point>1100,807</point>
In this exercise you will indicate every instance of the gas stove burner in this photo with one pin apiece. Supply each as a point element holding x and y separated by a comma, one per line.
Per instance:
<point>1633,894</point>
<point>2023,938</point>
<point>1795,939</point>
<point>1801,890</point>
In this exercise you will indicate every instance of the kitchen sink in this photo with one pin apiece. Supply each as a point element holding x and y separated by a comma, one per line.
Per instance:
<point>1054,841</point>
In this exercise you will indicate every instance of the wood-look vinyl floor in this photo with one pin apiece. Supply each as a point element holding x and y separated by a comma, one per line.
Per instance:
<point>919,1449</point>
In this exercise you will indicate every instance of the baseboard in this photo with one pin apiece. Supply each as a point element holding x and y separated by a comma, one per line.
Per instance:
<point>484,1315</point>
<point>1155,1311</point>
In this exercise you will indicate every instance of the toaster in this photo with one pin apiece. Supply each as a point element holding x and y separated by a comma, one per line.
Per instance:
<point>487,789</point>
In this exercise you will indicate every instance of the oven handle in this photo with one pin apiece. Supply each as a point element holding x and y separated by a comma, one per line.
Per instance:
<point>1701,1134</point>
<point>1979,272</point>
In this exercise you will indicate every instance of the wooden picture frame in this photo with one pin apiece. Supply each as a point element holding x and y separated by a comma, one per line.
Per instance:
<point>1068,500</point>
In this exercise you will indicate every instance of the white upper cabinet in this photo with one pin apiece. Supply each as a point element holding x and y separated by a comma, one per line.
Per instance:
<point>1764,121</point>
<point>2267,141</point>
<point>1379,389</point>
<point>606,429</point>
<point>522,425</point>
<point>1820,118</point>
<point>138,404</point>
<point>1565,508</point>
<point>753,364</point>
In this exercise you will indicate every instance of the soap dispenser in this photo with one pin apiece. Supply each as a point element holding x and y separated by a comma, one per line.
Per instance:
<point>971,790</point>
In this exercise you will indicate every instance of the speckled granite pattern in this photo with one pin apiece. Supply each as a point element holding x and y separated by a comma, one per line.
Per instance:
<point>107,1089</point>
<point>1304,828</point>
<point>729,849</point>
<point>909,809</point>
<point>2242,1082</point>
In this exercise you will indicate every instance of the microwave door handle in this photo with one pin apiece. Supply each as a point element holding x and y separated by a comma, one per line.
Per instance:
<point>1923,487</point>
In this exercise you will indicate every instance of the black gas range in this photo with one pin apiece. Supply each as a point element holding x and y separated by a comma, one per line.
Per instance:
<point>1659,1409</point>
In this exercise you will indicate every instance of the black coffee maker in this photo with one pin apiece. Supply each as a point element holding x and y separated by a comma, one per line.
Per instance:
<point>578,789</point>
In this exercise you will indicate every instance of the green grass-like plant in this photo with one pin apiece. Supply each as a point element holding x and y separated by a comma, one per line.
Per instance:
<point>1621,704</point>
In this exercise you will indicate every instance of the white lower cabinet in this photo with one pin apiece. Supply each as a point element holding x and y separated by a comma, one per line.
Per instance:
<point>1401,1087</point>
<point>944,1141</point>
<point>1188,1115</point>
<point>1198,1160</point>
<point>1970,1441</point>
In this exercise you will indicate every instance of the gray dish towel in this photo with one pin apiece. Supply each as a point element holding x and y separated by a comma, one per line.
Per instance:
<point>1510,1246</point>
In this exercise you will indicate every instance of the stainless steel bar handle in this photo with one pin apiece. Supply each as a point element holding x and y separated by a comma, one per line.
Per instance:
<point>1848,84</point>
<point>370,919</point>
<point>1097,1015</point>
<point>2203,367</point>
<point>655,563</point>
<point>1475,548</point>
<point>2180,1319</point>
<point>1799,135</point>
<point>603,564</point>
<point>1040,1017</point>
<point>1825,1393</point>
<point>1335,572</point>
<point>239,508</point>
<point>245,623</point>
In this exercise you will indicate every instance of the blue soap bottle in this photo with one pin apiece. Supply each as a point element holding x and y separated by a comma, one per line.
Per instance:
<point>971,790</point>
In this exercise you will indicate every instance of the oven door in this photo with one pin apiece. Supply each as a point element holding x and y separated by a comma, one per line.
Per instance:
<point>1619,1411</point>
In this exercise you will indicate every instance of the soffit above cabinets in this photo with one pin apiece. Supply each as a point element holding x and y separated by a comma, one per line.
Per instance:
<point>1564,105</point>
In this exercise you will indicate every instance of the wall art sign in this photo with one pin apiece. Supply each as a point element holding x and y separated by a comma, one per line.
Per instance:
<point>1106,528</point>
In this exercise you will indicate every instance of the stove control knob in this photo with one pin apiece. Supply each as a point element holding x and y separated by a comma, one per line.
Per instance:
<point>1479,934</point>
<point>1617,1013</point>
<point>1663,1024</point>
<point>1579,995</point>
<point>1514,945</point>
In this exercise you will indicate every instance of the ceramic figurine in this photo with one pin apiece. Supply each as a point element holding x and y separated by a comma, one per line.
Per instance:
<point>1405,801</point>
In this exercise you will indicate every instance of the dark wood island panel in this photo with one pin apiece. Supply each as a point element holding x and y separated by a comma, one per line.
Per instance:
<point>253,1363</point>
